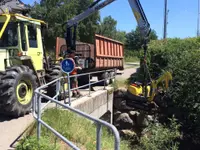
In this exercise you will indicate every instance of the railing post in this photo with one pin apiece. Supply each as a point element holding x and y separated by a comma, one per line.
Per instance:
<point>69,90</point>
<point>104,80</point>
<point>117,142</point>
<point>57,90</point>
<point>38,116</point>
<point>115,73</point>
<point>34,103</point>
<point>89,85</point>
<point>98,136</point>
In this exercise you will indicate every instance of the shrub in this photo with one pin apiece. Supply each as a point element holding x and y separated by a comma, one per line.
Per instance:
<point>185,93</point>
<point>158,136</point>
<point>181,57</point>
<point>163,52</point>
<point>131,55</point>
<point>31,143</point>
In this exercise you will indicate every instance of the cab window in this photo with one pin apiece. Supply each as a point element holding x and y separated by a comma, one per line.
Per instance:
<point>32,36</point>
<point>10,36</point>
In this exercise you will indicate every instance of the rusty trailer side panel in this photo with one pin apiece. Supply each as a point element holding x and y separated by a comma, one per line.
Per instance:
<point>109,53</point>
<point>60,46</point>
<point>83,50</point>
<point>105,52</point>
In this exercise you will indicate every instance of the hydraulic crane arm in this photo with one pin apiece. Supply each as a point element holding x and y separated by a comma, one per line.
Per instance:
<point>136,7</point>
<point>92,9</point>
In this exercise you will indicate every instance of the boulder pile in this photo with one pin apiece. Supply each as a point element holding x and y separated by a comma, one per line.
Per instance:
<point>129,121</point>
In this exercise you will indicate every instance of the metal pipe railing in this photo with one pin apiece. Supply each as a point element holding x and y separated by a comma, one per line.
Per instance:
<point>83,86</point>
<point>99,123</point>
<point>38,110</point>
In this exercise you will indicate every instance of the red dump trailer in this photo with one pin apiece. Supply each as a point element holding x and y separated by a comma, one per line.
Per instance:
<point>104,54</point>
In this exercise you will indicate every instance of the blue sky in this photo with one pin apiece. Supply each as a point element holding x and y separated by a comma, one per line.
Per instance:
<point>182,16</point>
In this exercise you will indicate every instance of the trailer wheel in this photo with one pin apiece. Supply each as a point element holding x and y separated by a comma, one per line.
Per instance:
<point>52,74</point>
<point>83,80</point>
<point>17,90</point>
<point>112,75</point>
<point>106,76</point>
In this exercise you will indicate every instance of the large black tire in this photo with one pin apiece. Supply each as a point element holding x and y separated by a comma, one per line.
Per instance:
<point>17,87</point>
<point>105,75</point>
<point>112,75</point>
<point>83,80</point>
<point>53,74</point>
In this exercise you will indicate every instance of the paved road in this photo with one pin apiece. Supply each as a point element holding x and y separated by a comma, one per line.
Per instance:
<point>10,128</point>
<point>130,68</point>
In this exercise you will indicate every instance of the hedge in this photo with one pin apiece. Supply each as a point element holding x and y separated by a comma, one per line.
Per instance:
<point>182,58</point>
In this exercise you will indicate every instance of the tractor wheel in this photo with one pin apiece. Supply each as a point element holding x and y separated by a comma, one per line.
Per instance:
<point>17,90</point>
<point>53,74</point>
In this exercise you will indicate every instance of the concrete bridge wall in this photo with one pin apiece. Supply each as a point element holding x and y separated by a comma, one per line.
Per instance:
<point>97,104</point>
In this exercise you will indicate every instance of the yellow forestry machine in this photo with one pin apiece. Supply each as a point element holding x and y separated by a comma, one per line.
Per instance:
<point>23,64</point>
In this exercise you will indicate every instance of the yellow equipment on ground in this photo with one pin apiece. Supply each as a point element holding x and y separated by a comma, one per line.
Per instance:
<point>136,91</point>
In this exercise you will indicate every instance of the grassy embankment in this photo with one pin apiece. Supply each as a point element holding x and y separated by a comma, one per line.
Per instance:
<point>77,129</point>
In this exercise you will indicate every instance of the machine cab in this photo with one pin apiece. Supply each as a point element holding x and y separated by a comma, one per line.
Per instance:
<point>20,37</point>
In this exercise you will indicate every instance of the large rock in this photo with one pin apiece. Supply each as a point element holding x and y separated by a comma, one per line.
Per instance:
<point>119,99</point>
<point>133,115</point>
<point>116,115</point>
<point>150,118</point>
<point>121,93</point>
<point>124,122</point>
<point>142,120</point>
<point>129,135</point>
<point>119,103</point>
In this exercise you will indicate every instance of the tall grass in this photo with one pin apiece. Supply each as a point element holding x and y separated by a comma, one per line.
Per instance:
<point>77,129</point>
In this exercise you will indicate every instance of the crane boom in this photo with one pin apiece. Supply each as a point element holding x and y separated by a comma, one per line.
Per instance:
<point>136,7</point>
<point>92,9</point>
<point>140,16</point>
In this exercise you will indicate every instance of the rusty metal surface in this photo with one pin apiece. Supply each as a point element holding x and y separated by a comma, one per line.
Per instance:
<point>106,52</point>
<point>109,52</point>
<point>83,50</point>
<point>59,43</point>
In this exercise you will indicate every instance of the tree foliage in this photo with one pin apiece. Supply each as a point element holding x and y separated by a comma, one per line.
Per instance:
<point>108,28</point>
<point>57,12</point>
<point>134,40</point>
<point>121,36</point>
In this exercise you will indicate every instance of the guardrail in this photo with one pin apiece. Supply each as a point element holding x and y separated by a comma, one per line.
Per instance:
<point>38,109</point>
<point>58,84</point>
